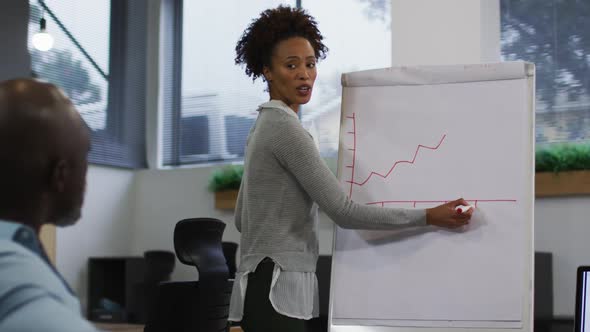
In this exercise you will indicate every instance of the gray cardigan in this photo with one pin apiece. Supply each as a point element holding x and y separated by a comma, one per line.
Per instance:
<point>284,176</point>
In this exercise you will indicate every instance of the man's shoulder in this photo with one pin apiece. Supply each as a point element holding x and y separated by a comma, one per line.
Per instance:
<point>20,267</point>
<point>20,234</point>
<point>32,296</point>
<point>25,277</point>
<point>12,251</point>
<point>18,247</point>
<point>8,229</point>
<point>19,264</point>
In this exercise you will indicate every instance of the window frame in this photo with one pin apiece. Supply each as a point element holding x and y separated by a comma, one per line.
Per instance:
<point>172,157</point>
<point>172,77</point>
<point>546,107</point>
<point>110,146</point>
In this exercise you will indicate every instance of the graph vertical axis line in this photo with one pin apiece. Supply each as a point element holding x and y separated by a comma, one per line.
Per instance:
<point>353,117</point>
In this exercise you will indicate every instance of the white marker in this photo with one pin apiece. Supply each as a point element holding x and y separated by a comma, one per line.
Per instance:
<point>462,208</point>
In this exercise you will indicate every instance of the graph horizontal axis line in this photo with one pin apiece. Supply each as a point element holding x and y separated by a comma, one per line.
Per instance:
<point>414,202</point>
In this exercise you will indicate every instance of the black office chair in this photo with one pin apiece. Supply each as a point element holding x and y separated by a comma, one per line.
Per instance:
<point>201,305</point>
<point>159,265</point>
<point>229,251</point>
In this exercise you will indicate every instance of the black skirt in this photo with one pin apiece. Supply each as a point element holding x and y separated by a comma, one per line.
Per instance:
<point>259,314</point>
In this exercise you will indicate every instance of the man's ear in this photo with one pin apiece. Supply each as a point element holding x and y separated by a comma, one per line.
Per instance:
<point>59,175</point>
<point>267,73</point>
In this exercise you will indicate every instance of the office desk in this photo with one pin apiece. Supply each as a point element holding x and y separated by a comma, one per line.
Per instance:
<point>119,327</point>
<point>135,328</point>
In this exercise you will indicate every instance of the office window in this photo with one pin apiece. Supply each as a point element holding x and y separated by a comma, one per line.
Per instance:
<point>555,35</point>
<point>98,60</point>
<point>359,38</point>
<point>217,103</point>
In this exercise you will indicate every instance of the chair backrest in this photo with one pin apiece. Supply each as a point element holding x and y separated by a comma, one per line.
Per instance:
<point>197,242</point>
<point>159,265</point>
<point>195,305</point>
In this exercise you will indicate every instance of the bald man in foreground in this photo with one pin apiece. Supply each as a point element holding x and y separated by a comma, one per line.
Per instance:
<point>44,145</point>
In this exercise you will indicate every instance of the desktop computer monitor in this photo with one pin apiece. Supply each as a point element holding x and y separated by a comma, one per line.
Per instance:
<point>582,322</point>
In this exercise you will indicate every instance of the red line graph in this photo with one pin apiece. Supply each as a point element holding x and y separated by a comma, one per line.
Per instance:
<point>384,176</point>
<point>352,166</point>
<point>400,162</point>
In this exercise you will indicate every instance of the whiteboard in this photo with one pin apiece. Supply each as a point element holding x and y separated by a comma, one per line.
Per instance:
<point>416,137</point>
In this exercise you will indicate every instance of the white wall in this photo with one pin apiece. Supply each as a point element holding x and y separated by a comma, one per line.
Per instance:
<point>164,197</point>
<point>562,226</point>
<point>105,227</point>
<point>430,32</point>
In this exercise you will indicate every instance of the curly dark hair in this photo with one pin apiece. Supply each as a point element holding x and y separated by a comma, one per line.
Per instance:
<point>255,47</point>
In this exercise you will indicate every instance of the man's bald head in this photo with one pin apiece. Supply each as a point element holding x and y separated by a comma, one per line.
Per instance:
<point>43,147</point>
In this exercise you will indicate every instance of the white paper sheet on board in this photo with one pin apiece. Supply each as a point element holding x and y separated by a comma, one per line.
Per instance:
<point>417,141</point>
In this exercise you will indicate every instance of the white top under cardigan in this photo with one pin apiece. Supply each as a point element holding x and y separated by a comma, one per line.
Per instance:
<point>284,182</point>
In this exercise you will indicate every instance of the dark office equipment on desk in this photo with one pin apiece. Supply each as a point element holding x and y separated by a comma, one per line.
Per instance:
<point>201,305</point>
<point>110,287</point>
<point>121,288</point>
<point>582,315</point>
<point>545,320</point>
<point>543,305</point>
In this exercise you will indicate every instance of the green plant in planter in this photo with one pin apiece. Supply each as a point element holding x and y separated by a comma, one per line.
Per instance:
<point>563,157</point>
<point>553,158</point>
<point>226,178</point>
